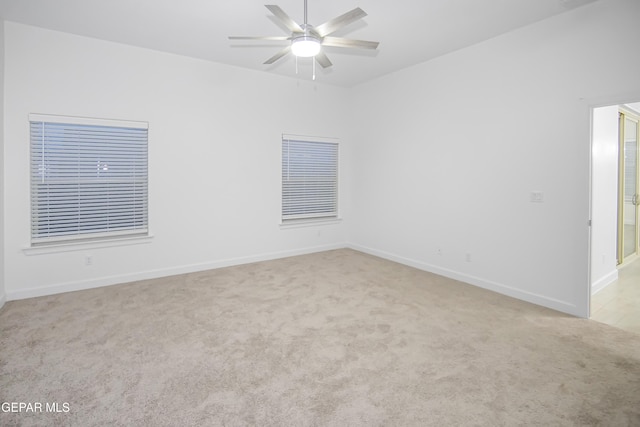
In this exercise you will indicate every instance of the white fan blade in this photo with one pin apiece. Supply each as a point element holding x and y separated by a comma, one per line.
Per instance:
<point>269,38</point>
<point>340,42</point>
<point>278,55</point>
<point>284,18</point>
<point>343,20</point>
<point>323,60</point>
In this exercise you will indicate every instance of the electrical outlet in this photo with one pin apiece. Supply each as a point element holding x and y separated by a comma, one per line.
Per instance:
<point>537,197</point>
<point>439,251</point>
<point>88,260</point>
<point>467,257</point>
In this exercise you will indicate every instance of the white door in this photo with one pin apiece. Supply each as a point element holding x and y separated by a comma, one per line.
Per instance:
<point>628,238</point>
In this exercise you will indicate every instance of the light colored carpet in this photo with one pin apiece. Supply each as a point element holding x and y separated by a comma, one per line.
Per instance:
<point>338,338</point>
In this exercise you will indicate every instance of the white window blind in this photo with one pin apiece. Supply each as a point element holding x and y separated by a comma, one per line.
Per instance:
<point>309,178</point>
<point>88,179</point>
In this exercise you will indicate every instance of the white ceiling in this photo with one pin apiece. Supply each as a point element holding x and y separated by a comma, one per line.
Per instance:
<point>409,31</point>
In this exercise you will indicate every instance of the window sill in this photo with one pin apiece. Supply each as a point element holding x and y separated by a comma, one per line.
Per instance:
<point>298,223</point>
<point>79,246</point>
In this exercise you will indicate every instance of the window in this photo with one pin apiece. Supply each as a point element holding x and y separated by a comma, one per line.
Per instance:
<point>309,178</point>
<point>88,179</point>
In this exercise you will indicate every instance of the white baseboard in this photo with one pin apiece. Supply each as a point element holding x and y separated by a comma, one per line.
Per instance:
<point>3,299</point>
<point>500,288</point>
<point>154,274</point>
<point>602,283</point>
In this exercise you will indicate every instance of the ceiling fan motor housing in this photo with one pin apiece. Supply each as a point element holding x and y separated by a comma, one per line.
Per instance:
<point>307,43</point>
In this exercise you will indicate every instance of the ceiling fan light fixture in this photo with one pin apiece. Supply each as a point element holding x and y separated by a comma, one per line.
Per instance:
<point>305,46</point>
<point>306,40</point>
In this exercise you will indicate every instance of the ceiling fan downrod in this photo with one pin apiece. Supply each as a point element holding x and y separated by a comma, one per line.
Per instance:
<point>305,13</point>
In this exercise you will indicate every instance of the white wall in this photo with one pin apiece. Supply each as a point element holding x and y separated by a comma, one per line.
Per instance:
<point>214,152</point>
<point>604,198</point>
<point>2,167</point>
<point>441,157</point>
<point>448,152</point>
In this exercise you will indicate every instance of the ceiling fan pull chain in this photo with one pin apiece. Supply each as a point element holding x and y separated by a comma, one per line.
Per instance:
<point>296,65</point>
<point>314,67</point>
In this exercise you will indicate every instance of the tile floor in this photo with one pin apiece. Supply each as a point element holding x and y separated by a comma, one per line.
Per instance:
<point>619,303</point>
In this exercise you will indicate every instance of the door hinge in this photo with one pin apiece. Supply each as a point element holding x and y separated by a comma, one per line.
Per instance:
<point>589,223</point>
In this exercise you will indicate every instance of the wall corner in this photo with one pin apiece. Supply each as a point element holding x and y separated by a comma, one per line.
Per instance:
<point>2,168</point>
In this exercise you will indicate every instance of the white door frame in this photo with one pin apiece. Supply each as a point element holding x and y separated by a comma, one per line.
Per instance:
<point>586,132</point>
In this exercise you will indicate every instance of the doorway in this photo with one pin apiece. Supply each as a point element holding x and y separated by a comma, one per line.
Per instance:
<point>628,184</point>
<point>615,235</point>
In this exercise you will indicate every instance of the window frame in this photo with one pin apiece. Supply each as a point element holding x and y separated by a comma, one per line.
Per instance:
<point>310,219</point>
<point>84,237</point>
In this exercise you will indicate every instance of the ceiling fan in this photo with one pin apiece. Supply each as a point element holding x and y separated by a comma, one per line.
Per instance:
<point>306,40</point>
